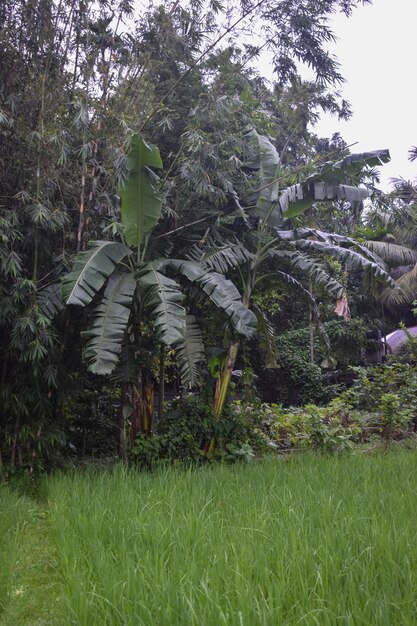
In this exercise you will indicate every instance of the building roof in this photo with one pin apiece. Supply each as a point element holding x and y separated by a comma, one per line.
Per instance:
<point>397,338</point>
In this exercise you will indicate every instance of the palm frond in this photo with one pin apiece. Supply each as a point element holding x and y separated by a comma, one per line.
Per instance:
<point>405,292</point>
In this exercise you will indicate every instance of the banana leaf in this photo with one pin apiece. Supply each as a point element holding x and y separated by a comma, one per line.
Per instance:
<point>141,203</point>
<point>91,269</point>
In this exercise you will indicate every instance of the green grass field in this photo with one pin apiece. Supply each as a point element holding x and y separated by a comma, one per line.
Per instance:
<point>311,540</point>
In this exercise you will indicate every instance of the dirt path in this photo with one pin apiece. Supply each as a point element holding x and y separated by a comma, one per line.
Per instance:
<point>35,597</point>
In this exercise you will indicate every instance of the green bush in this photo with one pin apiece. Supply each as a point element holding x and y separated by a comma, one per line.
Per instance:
<point>188,427</point>
<point>372,383</point>
<point>326,429</point>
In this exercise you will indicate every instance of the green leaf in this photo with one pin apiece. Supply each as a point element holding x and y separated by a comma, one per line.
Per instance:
<point>348,167</point>
<point>350,258</point>
<point>310,267</point>
<point>110,322</point>
<point>191,354</point>
<point>220,257</point>
<point>50,300</point>
<point>162,299</point>
<point>267,345</point>
<point>331,238</point>
<point>221,292</point>
<point>405,291</point>
<point>293,201</point>
<point>141,203</point>
<point>266,159</point>
<point>296,199</point>
<point>393,254</point>
<point>328,183</point>
<point>126,370</point>
<point>91,270</point>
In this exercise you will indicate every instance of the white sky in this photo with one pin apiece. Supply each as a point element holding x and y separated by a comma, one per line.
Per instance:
<point>377,50</point>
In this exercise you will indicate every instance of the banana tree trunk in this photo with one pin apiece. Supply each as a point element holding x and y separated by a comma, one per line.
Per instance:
<point>223,381</point>
<point>121,427</point>
<point>161,381</point>
<point>142,401</point>
<point>311,326</point>
<point>221,389</point>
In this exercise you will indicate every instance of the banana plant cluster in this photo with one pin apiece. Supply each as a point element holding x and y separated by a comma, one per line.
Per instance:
<point>127,285</point>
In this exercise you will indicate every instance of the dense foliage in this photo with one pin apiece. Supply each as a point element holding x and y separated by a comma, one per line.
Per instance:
<point>167,216</point>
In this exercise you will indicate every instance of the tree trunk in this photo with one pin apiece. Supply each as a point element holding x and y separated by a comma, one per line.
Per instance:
<point>161,382</point>
<point>121,428</point>
<point>311,326</point>
<point>222,386</point>
<point>141,397</point>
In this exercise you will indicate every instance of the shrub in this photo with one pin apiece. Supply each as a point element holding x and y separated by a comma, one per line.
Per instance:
<point>372,383</point>
<point>188,426</point>
<point>327,429</point>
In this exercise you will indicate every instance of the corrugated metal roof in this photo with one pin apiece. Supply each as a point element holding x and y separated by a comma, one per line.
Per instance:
<point>396,339</point>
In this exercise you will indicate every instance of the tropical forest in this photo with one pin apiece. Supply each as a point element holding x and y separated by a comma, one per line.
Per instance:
<point>208,335</point>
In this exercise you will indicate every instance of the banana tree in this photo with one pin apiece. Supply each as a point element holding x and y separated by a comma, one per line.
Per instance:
<point>127,286</point>
<point>390,234</point>
<point>301,250</point>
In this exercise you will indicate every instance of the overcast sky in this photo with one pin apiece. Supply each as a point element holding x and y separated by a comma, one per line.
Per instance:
<point>377,49</point>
